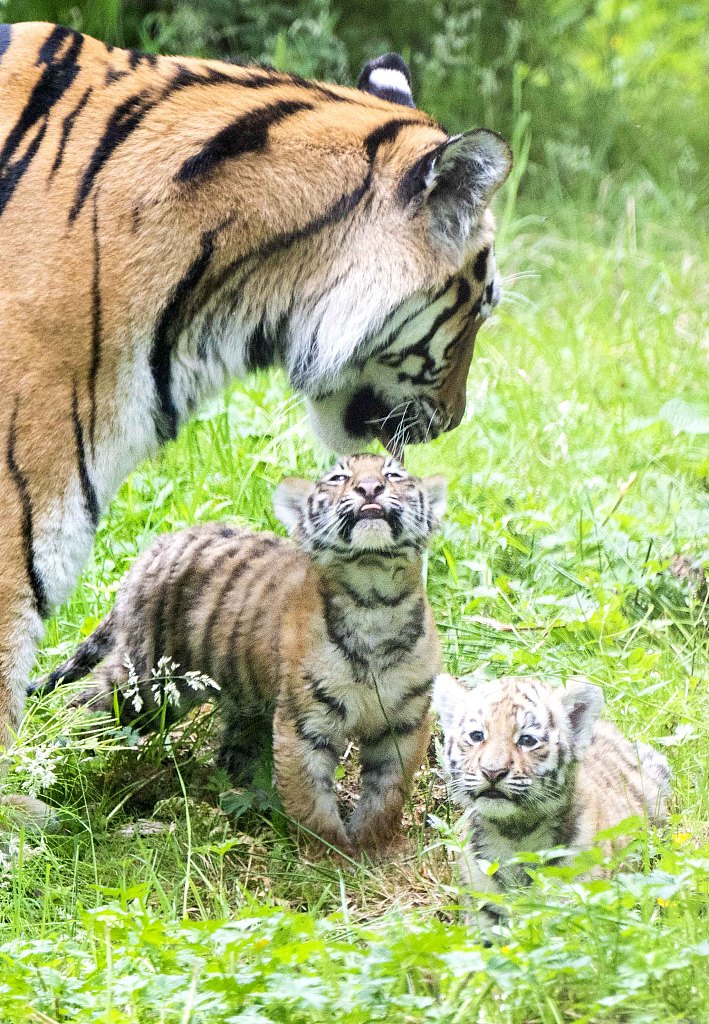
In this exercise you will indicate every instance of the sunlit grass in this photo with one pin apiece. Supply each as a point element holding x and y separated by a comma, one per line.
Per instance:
<point>581,469</point>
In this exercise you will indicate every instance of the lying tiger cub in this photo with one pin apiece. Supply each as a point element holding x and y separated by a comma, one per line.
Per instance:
<point>538,771</point>
<point>332,630</point>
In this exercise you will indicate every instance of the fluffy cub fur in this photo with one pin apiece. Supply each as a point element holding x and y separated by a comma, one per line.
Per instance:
<point>539,771</point>
<point>330,630</point>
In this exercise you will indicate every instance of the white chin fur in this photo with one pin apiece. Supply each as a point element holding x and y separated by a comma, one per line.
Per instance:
<point>371,535</point>
<point>496,809</point>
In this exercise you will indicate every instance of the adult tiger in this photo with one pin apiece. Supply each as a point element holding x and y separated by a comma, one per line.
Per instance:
<point>167,224</point>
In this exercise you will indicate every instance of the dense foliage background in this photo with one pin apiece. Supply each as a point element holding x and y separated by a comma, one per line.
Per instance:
<point>596,86</point>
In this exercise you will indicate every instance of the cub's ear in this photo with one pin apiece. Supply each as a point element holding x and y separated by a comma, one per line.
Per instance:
<point>389,78</point>
<point>457,181</point>
<point>436,488</point>
<point>449,696</point>
<point>289,501</point>
<point>583,702</point>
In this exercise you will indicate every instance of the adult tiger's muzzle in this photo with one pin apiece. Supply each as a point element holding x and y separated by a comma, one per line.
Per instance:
<point>427,416</point>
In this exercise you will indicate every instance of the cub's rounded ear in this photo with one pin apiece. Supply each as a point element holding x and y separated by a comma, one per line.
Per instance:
<point>448,699</point>
<point>389,78</point>
<point>290,500</point>
<point>457,180</point>
<point>583,702</point>
<point>436,487</point>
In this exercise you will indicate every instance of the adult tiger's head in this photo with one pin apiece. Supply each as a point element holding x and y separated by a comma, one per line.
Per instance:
<point>352,245</point>
<point>365,503</point>
<point>511,745</point>
<point>424,278</point>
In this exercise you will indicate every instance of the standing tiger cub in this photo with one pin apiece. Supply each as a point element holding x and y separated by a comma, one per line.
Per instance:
<point>331,630</point>
<point>538,771</point>
<point>169,224</point>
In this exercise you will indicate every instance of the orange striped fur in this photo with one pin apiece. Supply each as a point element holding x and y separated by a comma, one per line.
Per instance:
<point>331,631</point>
<point>168,224</point>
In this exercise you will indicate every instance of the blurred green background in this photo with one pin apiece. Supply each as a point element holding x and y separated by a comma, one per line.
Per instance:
<point>586,88</point>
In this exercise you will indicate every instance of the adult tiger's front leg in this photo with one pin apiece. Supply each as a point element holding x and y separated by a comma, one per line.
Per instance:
<point>46,530</point>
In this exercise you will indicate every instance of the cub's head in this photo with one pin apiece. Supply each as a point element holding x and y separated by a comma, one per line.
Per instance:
<point>365,503</point>
<point>510,745</point>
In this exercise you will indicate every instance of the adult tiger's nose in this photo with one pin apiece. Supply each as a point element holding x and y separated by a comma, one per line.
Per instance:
<point>370,488</point>
<point>494,774</point>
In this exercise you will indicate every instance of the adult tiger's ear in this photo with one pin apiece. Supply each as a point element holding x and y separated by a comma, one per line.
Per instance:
<point>290,500</point>
<point>583,702</point>
<point>389,78</point>
<point>436,488</point>
<point>457,180</point>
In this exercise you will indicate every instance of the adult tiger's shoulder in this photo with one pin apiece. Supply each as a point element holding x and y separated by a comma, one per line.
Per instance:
<point>168,224</point>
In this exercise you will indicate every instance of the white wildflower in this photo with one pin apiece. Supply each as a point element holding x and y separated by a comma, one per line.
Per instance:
<point>132,687</point>
<point>199,682</point>
<point>39,767</point>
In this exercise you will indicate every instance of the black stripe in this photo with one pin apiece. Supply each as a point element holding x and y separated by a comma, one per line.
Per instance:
<point>87,487</point>
<point>114,75</point>
<point>317,687</point>
<point>316,742</point>
<point>397,730</point>
<point>264,346</point>
<point>96,327</point>
<point>373,599</point>
<point>5,37</point>
<point>67,125</point>
<point>480,265</point>
<point>122,122</point>
<point>172,321</point>
<point>238,570</point>
<point>58,76</point>
<point>137,57</point>
<point>420,348</point>
<point>20,481</point>
<point>128,116</point>
<point>247,134</point>
<point>418,691</point>
<point>173,609</point>
<point>262,547</point>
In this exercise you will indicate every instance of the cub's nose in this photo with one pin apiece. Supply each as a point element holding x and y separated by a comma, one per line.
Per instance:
<point>494,774</point>
<point>370,488</point>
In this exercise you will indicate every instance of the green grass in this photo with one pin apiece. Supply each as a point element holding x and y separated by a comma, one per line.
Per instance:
<point>581,469</point>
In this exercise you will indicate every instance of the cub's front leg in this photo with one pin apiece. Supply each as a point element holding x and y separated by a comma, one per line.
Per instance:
<point>304,766</point>
<point>389,761</point>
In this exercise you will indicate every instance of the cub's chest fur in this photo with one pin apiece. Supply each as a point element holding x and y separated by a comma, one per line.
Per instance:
<point>371,661</point>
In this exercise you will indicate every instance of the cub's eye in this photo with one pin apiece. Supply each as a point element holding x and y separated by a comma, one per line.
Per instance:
<point>476,736</point>
<point>337,478</point>
<point>395,474</point>
<point>527,740</point>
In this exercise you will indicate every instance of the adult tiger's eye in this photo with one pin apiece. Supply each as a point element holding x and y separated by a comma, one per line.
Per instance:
<point>477,736</point>
<point>527,740</point>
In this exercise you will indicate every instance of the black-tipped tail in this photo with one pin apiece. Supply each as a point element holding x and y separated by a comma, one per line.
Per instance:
<point>88,654</point>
